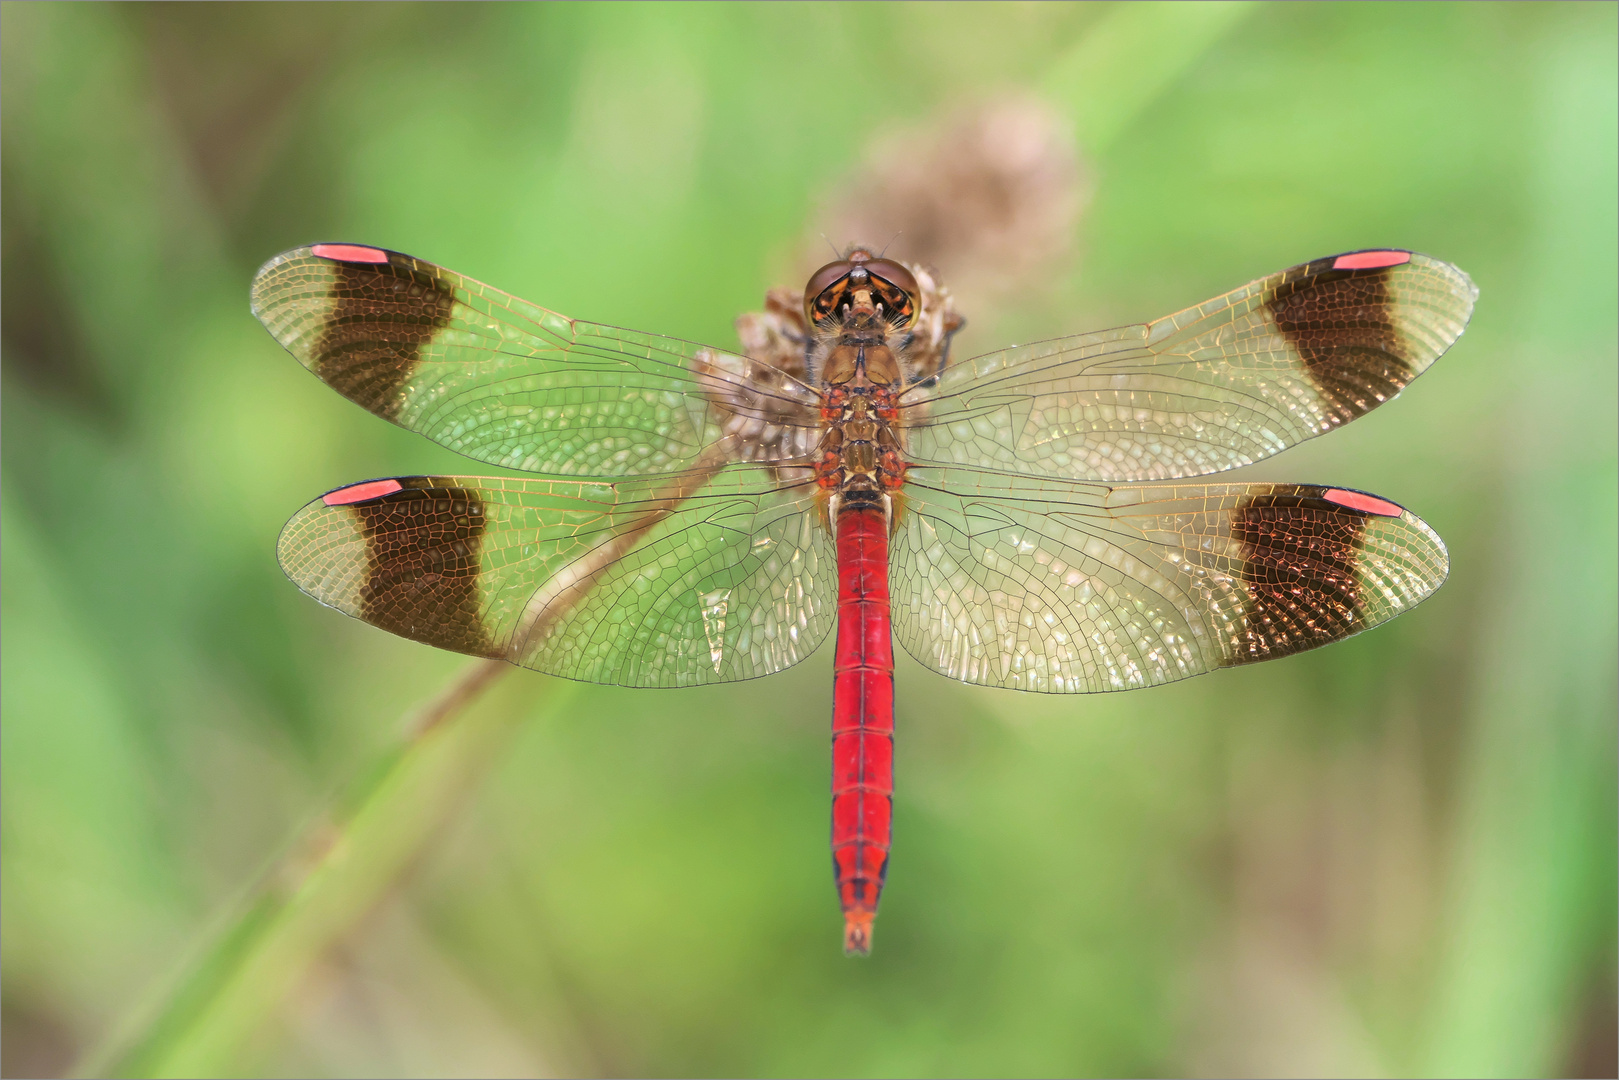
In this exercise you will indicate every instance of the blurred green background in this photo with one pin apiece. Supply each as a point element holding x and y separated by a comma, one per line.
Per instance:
<point>1395,855</point>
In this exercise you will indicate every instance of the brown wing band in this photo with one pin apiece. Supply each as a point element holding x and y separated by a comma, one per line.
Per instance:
<point>422,564</point>
<point>1342,322</point>
<point>1299,568</point>
<point>381,317</point>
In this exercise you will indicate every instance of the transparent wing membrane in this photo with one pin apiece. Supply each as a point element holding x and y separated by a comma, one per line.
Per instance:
<point>692,549</point>
<point>1074,588</point>
<point>1219,385</point>
<point>513,384</point>
<point>698,578</point>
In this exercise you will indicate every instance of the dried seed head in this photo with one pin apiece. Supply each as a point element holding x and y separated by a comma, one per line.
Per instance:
<point>990,197</point>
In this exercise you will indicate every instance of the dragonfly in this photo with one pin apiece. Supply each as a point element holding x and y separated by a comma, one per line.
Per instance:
<point>1017,520</point>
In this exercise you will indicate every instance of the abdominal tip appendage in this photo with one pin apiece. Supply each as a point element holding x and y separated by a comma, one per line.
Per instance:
<point>857,932</point>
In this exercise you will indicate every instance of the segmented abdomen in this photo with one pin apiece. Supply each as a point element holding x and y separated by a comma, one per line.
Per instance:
<point>862,721</point>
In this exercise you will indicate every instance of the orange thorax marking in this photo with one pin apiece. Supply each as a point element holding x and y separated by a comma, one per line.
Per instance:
<point>860,450</point>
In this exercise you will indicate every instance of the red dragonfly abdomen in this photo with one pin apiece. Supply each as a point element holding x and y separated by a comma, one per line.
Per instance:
<point>862,721</point>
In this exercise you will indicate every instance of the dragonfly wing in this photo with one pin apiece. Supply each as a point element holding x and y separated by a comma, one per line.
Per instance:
<point>1216,386</point>
<point>699,578</point>
<point>513,384</point>
<point>1075,588</point>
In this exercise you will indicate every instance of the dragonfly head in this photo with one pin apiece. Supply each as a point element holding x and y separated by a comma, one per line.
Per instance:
<point>862,283</point>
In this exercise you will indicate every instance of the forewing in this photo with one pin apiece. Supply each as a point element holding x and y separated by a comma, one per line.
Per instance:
<point>513,384</point>
<point>1075,588</point>
<point>1216,386</point>
<point>693,579</point>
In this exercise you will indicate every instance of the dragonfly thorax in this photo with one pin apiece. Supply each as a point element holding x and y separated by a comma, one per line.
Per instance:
<point>860,459</point>
<point>862,348</point>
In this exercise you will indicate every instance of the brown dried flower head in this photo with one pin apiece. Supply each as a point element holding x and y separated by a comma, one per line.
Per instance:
<point>989,197</point>
<point>992,195</point>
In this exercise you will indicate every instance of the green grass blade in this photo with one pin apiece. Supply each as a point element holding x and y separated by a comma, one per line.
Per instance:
<point>338,873</point>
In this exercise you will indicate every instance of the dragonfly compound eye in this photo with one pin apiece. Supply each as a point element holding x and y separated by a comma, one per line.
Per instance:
<point>896,288</point>
<point>891,285</point>
<point>826,289</point>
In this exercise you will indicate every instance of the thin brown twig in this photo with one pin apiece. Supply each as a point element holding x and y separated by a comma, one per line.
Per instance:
<point>558,596</point>
<point>472,681</point>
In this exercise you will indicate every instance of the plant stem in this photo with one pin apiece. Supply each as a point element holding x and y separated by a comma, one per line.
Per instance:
<point>346,864</point>
<point>338,872</point>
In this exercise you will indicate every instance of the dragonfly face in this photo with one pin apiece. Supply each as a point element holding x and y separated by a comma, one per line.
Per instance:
<point>861,282</point>
<point>860,307</point>
<point>1019,520</point>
